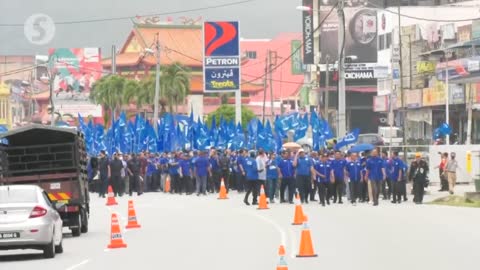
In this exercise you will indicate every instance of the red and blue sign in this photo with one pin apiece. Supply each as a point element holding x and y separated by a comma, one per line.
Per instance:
<point>221,65</point>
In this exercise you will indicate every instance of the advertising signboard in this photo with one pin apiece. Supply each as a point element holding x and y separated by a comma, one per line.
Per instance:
<point>221,64</point>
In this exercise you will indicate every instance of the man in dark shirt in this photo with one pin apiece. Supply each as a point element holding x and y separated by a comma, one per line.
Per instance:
<point>104,170</point>
<point>133,168</point>
<point>116,166</point>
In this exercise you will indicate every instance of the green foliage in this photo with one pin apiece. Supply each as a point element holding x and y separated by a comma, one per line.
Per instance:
<point>228,113</point>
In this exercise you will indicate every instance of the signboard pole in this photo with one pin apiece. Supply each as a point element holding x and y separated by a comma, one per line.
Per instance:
<point>447,102</point>
<point>341,72</point>
<point>327,84</point>
<point>157,86</point>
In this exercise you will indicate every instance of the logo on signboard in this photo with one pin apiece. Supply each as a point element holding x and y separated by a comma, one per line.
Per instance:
<point>221,38</point>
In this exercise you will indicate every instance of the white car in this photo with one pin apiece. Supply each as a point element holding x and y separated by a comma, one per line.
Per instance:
<point>28,220</point>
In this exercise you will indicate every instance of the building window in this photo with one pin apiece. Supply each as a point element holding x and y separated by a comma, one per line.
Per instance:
<point>388,40</point>
<point>251,54</point>
<point>381,42</point>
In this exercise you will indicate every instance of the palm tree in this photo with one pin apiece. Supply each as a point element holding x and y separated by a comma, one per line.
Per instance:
<point>175,85</point>
<point>131,92</point>
<point>109,92</point>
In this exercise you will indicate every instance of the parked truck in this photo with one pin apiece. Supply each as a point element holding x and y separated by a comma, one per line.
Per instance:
<point>54,159</point>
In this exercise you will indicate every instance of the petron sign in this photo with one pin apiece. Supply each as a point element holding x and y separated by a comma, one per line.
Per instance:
<point>221,64</point>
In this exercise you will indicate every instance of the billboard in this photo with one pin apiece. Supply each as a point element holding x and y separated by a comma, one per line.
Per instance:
<point>360,34</point>
<point>297,64</point>
<point>221,63</point>
<point>74,71</point>
<point>307,31</point>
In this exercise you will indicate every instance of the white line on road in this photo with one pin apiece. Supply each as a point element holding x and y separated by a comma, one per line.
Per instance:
<point>292,242</point>
<point>78,264</point>
<point>282,232</point>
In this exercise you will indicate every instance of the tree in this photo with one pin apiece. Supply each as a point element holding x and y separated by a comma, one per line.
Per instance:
<point>109,92</point>
<point>228,113</point>
<point>131,91</point>
<point>175,85</point>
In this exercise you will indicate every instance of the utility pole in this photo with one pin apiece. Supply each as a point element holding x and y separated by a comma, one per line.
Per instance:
<point>267,68</point>
<point>341,71</point>
<point>400,69</point>
<point>447,98</point>
<point>271,64</point>
<point>157,85</point>
<point>469,116</point>
<point>327,84</point>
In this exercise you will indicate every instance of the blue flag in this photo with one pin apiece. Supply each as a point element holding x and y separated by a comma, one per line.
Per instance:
<point>350,138</point>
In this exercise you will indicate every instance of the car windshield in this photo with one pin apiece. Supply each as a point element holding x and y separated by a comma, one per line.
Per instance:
<point>18,196</point>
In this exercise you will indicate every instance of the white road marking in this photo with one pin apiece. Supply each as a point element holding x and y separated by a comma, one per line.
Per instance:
<point>283,234</point>
<point>78,265</point>
<point>292,242</point>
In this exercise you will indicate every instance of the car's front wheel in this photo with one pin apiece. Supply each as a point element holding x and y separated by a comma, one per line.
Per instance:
<point>49,250</point>
<point>59,248</point>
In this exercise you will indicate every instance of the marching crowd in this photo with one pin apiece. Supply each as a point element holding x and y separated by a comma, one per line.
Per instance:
<point>332,175</point>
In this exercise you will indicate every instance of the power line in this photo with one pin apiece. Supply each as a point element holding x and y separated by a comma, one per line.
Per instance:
<point>145,15</point>
<point>422,19</point>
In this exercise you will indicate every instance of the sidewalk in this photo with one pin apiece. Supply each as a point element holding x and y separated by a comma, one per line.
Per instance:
<point>432,193</point>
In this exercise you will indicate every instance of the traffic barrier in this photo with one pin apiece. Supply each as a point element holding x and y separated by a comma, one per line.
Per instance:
<point>116,239</point>
<point>223,191</point>
<point>167,185</point>
<point>282,264</point>
<point>111,197</point>
<point>132,217</point>
<point>306,244</point>
<point>262,203</point>
<point>299,216</point>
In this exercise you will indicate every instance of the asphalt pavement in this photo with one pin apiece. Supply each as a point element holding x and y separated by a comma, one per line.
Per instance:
<point>189,232</point>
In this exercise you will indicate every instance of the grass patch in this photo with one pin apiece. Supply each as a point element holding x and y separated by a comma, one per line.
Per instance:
<point>456,201</point>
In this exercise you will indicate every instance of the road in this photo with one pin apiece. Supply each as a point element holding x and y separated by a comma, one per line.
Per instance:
<point>190,232</point>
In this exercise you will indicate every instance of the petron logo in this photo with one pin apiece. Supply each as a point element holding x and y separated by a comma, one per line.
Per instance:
<point>221,39</point>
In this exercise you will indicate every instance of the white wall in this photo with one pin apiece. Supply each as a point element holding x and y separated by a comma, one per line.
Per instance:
<point>461,157</point>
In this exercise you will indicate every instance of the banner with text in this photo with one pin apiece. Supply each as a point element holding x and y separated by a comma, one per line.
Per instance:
<point>307,30</point>
<point>221,63</point>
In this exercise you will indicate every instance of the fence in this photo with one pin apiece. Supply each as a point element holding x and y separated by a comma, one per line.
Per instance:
<point>431,153</point>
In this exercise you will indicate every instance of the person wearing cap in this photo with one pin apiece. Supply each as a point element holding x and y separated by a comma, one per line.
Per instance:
<point>418,174</point>
<point>451,171</point>
<point>286,176</point>
<point>251,171</point>
<point>304,171</point>
<point>324,176</point>
<point>353,170</point>
<point>338,166</point>
<point>375,174</point>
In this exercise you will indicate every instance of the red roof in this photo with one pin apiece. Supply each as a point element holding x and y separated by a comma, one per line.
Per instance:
<point>285,84</point>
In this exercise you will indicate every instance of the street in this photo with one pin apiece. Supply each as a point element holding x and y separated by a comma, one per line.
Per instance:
<point>190,232</point>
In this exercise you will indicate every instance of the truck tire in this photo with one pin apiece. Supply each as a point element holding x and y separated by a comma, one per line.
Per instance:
<point>59,248</point>
<point>84,227</point>
<point>77,231</point>
<point>49,250</point>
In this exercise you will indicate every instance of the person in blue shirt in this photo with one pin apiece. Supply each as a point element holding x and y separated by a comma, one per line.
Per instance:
<point>163,162</point>
<point>233,170</point>
<point>287,176</point>
<point>375,174</point>
<point>241,185</point>
<point>304,168</point>
<point>313,190</point>
<point>338,166</point>
<point>251,172</point>
<point>324,176</point>
<point>151,168</point>
<point>386,185</point>
<point>354,168</point>
<point>173,171</point>
<point>364,184</point>
<point>214,181</point>
<point>396,178</point>
<point>272,176</point>
<point>185,173</point>
<point>202,169</point>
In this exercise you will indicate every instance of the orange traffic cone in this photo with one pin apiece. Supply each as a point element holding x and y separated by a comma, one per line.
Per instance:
<point>262,203</point>
<point>299,216</point>
<point>223,191</point>
<point>110,197</point>
<point>306,244</point>
<point>282,264</point>
<point>116,240</point>
<point>132,217</point>
<point>167,185</point>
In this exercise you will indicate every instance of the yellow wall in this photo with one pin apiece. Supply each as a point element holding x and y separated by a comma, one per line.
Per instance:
<point>5,109</point>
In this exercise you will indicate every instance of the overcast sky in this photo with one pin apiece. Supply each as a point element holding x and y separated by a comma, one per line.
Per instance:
<point>259,19</point>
